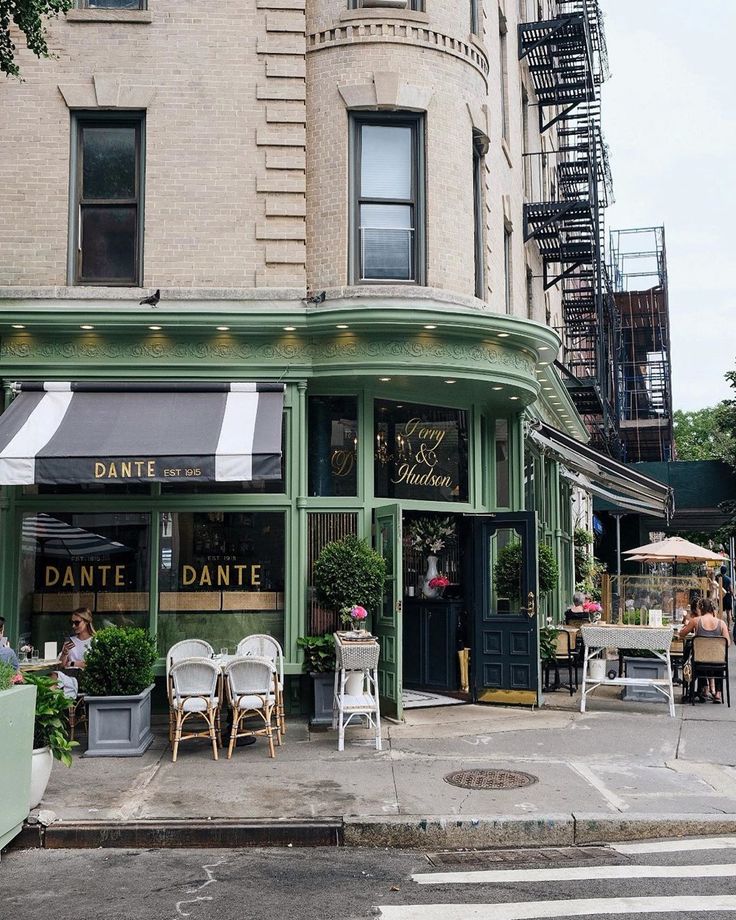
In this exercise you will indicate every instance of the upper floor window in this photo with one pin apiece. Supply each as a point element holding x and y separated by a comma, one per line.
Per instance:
<point>387,211</point>
<point>475,17</point>
<point>478,241</point>
<point>503,61</point>
<point>112,4</point>
<point>417,5</point>
<point>107,220</point>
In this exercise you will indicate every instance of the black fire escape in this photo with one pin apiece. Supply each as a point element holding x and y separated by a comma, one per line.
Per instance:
<point>567,191</point>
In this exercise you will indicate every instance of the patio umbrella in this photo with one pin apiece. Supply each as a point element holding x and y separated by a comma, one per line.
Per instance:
<point>673,549</point>
<point>57,538</point>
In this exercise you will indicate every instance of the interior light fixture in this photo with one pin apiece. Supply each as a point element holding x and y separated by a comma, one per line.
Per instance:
<point>86,326</point>
<point>342,326</point>
<point>548,389</point>
<point>544,348</point>
<point>384,379</point>
<point>289,328</point>
<point>450,381</point>
<point>504,335</point>
<point>543,363</point>
<point>430,326</point>
<point>155,328</point>
<point>496,388</point>
<point>513,397</point>
<point>222,328</point>
<point>18,326</point>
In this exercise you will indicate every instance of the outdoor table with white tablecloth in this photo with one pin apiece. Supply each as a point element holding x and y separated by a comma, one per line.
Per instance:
<point>654,639</point>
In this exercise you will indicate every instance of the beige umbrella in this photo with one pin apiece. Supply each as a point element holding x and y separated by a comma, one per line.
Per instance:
<point>673,549</point>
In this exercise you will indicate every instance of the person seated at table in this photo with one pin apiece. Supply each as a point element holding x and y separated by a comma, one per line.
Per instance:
<point>577,609</point>
<point>708,625</point>
<point>69,686</point>
<point>75,648</point>
<point>7,655</point>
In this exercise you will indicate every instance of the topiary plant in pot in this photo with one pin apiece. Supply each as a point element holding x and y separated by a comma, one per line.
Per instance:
<point>117,682</point>
<point>349,572</point>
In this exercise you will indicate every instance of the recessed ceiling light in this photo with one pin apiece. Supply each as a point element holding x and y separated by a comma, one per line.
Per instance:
<point>430,326</point>
<point>86,326</point>
<point>503,335</point>
<point>544,347</point>
<point>18,326</point>
<point>543,363</point>
<point>548,389</point>
<point>222,328</point>
<point>155,328</point>
<point>289,328</point>
<point>513,397</point>
<point>384,379</point>
<point>342,326</point>
<point>450,381</point>
<point>496,388</point>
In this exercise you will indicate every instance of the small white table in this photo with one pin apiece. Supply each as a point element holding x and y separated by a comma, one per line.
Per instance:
<point>655,639</point>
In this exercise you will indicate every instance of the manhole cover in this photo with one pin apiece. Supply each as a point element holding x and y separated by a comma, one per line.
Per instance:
<point>490,779</point>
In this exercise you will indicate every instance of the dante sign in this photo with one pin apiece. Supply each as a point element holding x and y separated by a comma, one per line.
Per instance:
<point>221,576</point>
<point>421,452</point>
<point>84,576</point>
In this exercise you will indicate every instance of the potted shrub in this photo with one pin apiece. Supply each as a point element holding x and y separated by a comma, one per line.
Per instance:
<point>319,663</point>
<point>17,703</point>
<point>50,734</point>
<point>349,573</point>
<point>117,681</point>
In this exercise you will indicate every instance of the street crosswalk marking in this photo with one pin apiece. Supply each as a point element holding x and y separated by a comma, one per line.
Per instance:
<point>683,845</point>
<point>572,873</point>
<point>577,907</point>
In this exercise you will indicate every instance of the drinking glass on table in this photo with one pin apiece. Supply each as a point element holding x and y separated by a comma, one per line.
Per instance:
<point>34,654</point>
<point>223,652</point>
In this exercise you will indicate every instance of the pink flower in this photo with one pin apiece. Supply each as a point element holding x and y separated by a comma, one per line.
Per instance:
<point>358,613</point>
<point>17,679</point>
<point>592,607</point>
<point>439,581</point>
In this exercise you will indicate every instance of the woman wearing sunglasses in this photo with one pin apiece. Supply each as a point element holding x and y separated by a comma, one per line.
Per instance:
<point>75,648</point>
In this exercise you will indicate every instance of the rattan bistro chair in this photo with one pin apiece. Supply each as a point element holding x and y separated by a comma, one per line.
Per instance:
<point>195,683</point>
<point>250,682</point>
<point>265,646</point>
<point>709,658</point>
<point>187,648</point>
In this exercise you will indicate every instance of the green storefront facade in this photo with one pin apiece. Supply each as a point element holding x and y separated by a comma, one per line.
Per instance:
<point>389,412</point>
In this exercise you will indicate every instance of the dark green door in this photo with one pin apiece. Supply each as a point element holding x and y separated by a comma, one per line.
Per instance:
<point>503,608</point>
<point>388,624</point>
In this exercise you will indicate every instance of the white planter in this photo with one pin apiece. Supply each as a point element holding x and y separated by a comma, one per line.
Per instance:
<point>41,764</point>
<point>597,669</point>
<point>354,683</point>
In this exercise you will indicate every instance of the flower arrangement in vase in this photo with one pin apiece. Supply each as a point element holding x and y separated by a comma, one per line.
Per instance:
<point>354,617</point>
<point>439,583</point>
<point>431,534</point>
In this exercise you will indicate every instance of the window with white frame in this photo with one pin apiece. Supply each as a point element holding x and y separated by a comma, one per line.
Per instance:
<point>387,207</point>
<point>112,4</point>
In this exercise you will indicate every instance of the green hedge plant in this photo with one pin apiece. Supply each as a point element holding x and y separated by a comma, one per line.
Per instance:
<point>319,653</point>
<point>347,572</point>
<point>119,662</point>
<point>51,727</point>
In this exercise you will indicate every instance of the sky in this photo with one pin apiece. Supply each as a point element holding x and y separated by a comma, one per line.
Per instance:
<point>669,118</point>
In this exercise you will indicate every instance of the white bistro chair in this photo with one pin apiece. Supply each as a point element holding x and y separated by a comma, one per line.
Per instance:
<point>352,657</point>
<point>267,647</point>
<point>187,648</point>
<point>195,683</point>
<point>251,691</point>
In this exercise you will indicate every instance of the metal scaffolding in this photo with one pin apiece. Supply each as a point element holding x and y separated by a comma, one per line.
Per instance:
<point>638,259</point>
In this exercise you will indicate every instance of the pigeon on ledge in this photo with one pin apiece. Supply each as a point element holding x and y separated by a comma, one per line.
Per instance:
<point>152,300</point>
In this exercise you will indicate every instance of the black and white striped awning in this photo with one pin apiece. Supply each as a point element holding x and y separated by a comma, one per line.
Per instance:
<point>65,433</point>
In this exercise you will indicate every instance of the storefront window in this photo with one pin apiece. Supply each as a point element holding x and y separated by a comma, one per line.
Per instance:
<point>333,445</point>
<point>503,466</point>
<point>82,559</point>
<point>421,452</point>
<point>221,577</point>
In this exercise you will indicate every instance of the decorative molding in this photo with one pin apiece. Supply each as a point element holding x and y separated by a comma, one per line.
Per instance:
<point>107,92</point>
<point>391,31</point>
<point>387,91</point>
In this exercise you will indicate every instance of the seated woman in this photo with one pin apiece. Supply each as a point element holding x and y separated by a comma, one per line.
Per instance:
<point>704,622</point>
<point>75,648</point>
<point>577,610</point>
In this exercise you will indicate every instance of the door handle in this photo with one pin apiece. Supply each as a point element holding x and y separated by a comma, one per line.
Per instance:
<point>531,607</point>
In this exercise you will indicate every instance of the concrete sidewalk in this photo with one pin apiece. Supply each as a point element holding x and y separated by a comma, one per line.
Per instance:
<point>619,771</point>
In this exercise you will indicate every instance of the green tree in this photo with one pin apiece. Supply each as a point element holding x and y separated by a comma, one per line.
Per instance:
<point>28,17</point>
<point>705,434</point>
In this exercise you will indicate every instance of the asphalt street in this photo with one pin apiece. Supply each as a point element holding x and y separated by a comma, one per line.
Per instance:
<point>668,881</point>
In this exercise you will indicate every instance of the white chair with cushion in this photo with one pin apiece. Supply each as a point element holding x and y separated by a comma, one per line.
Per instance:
<point>187,648</point>
<point>267,647</point>
<point>251,692</point>
<point>194,692</point>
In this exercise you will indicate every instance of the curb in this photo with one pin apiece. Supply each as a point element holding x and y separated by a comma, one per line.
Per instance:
<point>436,833</point>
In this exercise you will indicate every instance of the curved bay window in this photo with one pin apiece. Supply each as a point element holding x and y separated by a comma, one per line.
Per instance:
<point>421,452</point>
<point>82,559</point>
<point>221,576</point>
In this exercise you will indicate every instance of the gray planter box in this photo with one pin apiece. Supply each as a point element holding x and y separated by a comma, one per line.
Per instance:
<point>647,668</point>
<point>324,688</point>
<point>119,726</point>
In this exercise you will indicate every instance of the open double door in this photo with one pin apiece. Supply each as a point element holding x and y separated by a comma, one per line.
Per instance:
<point>502,610</point>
